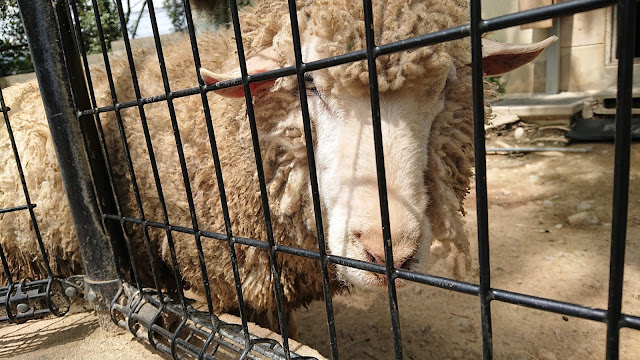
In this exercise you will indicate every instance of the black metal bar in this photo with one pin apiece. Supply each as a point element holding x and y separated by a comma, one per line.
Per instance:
<point>92,145</point>
<point>275,267</point>
<point>29,205</point>
<point>35,296</point>
<point>382,180</point>
<point>16,208</point>
<point>626,44</point>
<point>313,179</point>
<point>220,181</point>
<point>199,326</point>
<point>143,118</point>
<point>558,307</point>
<point>102,184</point>
<point>25,191</point>
<point>129,162</point>
<point>114,97</point>
<point>5,267</point>
<point>632,322</point>
<point>178,141</point>
<point>481,179</point>
<point>39,19</point>
<point>114,205</point>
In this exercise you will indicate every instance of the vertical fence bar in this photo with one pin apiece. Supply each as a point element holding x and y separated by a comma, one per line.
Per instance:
<point>313,179</point>
<point>275,267</point>
<point>481,179</point>
<point>221,187</point>
<point>186,182</point>
<point>39,19</point>
<point>382,180</point>
<point>626,41</point>
<point>29,205</point>
<point>143,120</point>
<point>92,146</point>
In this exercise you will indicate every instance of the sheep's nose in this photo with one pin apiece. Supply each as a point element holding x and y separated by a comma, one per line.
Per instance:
<point>374,249</point>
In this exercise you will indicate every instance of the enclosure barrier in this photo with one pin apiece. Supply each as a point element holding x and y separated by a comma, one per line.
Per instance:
<point>169,323</point>
<point>28,299</point>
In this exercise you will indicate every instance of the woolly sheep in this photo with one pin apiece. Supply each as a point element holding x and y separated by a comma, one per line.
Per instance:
<point>428,148</point>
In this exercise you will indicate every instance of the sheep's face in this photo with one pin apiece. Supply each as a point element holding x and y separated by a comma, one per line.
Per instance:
<point>346,162</point>
<point>346,157</point>
<point>348,179</point>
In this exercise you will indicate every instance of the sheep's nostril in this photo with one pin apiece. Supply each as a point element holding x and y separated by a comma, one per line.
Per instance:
<point>374,251</point>
<point>406,264</point>
<point>369,257</point>
<point>374,259</point>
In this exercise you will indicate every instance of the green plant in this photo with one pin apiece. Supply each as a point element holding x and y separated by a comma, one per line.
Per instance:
<point>109,21</point>
<point>14,51</point>
<point>498,83</point>
<point>175,10</point>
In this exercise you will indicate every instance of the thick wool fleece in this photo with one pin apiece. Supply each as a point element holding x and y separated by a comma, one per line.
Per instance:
<point>281,144</point>
<point>38,159</point>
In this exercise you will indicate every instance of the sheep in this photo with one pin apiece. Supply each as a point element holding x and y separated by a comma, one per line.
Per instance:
<point>428,149</point>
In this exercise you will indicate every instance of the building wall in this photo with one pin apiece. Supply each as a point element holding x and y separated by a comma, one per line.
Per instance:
<point>586,62</point>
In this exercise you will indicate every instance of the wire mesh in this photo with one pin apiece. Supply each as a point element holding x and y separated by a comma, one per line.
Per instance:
<point>487,294</point>
<point>200,333</point>
<point>25,299</point>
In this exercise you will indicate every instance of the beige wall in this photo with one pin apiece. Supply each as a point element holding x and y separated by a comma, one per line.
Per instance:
<point>522,80</point>
<point>585,56</point>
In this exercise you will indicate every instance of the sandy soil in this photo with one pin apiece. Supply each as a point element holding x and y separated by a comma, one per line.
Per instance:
<point>76,336</point>
<point>534,250</point>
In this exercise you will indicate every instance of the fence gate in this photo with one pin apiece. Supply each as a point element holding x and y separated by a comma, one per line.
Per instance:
<point>167,320</point>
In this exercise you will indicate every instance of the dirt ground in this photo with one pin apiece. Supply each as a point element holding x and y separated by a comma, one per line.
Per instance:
<point>535,250</point>
<point>72,337</point>
<point>78,336</point>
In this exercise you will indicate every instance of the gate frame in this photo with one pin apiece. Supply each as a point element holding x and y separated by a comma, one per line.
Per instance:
<point>57,65</point>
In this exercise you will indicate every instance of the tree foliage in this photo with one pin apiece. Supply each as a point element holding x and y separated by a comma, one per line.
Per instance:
<point>109,21</point>
<point>14,51</point>
<point>176,13</point>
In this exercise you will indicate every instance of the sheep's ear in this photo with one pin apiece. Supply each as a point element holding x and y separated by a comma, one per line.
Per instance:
<point>499,58</point>
<point>261,62</point>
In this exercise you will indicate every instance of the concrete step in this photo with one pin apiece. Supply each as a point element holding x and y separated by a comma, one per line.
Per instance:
<point>542,108</point>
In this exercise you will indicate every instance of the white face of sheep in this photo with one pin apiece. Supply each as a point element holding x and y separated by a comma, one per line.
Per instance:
<point>346,163</point>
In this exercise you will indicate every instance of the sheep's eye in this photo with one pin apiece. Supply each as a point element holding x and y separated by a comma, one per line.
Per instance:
<point>310,85</point>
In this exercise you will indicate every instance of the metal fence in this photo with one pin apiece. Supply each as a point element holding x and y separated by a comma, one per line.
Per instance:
<point>201,334</point>
<point>25,299</point>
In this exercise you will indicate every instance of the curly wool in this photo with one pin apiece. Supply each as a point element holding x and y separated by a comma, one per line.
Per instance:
<point>451,158</point>
<point>281,141</point>
<point>42,177</point>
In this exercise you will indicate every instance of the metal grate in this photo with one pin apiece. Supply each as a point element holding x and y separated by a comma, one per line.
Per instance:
<point>26,299</point>
<point>139,312</point>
